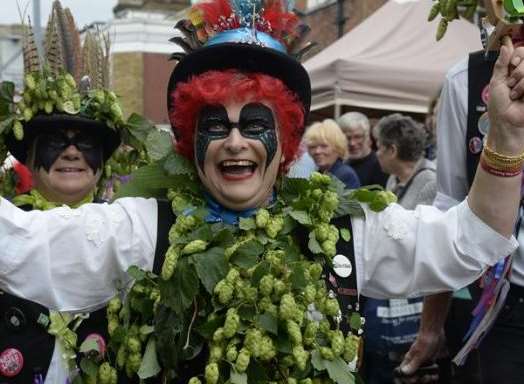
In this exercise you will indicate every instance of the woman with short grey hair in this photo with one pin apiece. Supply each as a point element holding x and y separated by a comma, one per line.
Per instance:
<point>401,143</point>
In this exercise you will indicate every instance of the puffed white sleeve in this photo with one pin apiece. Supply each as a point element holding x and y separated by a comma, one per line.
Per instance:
<point>74,259</point>
<point>405,253</point>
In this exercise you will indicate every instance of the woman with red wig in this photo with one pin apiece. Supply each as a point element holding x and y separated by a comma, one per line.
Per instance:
<point>256,277</point>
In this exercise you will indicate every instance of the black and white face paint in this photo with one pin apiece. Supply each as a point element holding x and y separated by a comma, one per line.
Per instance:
<point>50,145</point>
<point>256,122</point>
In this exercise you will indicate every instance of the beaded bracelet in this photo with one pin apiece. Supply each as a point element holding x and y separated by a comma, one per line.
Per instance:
<point>497,171</point>
<point>499,159</point>
<point>506,167</point>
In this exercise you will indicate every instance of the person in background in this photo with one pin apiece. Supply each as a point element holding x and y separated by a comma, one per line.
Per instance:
<point>327,145</point>
<point>361,156</point>
<point>304,166</point>
<point>392,325</point>
<point>430,124</point>
<point>401,143</point>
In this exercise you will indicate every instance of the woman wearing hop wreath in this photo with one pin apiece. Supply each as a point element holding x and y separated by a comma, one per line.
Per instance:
<point>64,134</point>
<point>261,277</point>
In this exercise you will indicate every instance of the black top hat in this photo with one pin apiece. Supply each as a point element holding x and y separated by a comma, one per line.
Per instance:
<point>244,39</point>
<point>43,122</point>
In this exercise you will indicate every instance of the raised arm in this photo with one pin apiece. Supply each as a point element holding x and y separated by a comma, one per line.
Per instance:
<point>75,259</point>
<point>401,253</point>
<point>495,199</point>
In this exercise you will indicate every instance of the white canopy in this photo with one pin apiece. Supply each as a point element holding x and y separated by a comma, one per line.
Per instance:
<point>391,61</point>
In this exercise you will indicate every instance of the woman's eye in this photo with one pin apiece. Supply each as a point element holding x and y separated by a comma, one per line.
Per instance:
<point>254,128</point>
<point>217,128</point>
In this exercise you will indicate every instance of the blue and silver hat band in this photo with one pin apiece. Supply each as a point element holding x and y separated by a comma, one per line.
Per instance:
<point>247,36</point>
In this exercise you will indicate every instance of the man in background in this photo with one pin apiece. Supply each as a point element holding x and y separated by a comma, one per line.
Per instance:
<point>362,158</point>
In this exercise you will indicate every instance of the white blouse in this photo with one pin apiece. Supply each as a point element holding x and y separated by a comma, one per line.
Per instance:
<point>74,260</point>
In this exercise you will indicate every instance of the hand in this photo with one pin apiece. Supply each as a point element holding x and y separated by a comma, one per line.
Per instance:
<point>506,104</point>
<point>425,350</point>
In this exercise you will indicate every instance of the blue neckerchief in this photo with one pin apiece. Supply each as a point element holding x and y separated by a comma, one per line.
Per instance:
<point>218,213</point>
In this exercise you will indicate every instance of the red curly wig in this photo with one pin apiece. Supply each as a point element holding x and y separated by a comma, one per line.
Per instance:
<point>215,87</point>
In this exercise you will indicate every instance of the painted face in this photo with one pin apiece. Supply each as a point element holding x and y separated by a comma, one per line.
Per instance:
<point>238,153</point>
<point>323,154</point>
<point>359,143</point>
<point>66,165</point>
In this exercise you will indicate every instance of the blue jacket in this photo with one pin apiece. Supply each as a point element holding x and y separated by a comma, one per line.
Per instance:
<point>345,173</point>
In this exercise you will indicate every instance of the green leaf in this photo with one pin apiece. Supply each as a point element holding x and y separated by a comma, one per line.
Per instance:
<point>247,312</point>
<point>297,278</point>
<point>158,144</point>
<point>139,127</point>
<point>348,205</point>
<point>363,195</point>
<point>176,164</point>
<point>238,378</point>
<point>247,223</point>
<point>146,329</point>
<point>301,216</point>
<point>260,271</point>
<point>345,234</point>
<point>7,91</point>
<point>89,345</point>
<point>293,187</point>
<point>149,366</point>
<point>337,369</point>
<point>180,291</point>
<point>313,244</point>
<point>211,267</point>
<point>283,344</point>
<point>89,367</point>
<point>6,123</point>
<point>247,253</point>
<point>257,373</point>
<point>136,273</point>
<point>355,321</point>
<point>268,322</point>
<point>147,181</point>
<point>208,328</point>
<point>222,235</point>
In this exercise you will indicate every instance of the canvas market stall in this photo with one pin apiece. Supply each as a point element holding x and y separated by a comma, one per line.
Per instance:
<point>391,61</point>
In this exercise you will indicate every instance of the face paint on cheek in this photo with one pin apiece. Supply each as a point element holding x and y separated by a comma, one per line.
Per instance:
<point>213,124</point>
<point>49,148</point>
<point>257,123</point>
<point>93,158</point>
<point>45,156</point>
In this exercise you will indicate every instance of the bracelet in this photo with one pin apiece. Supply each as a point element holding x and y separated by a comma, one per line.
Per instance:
<point>499,158</point>
<point>506,167</point>
<point>499,172</point>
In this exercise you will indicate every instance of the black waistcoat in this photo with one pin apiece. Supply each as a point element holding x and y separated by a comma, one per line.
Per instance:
<point>344,289</point>
<point>480,68</point>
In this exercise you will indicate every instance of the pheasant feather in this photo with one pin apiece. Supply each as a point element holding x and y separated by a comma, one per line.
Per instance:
<point>30,51</point>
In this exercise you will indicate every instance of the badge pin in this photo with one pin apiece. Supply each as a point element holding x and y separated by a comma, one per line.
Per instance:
<point>342,266</point>
<point>100,342</point>
<point>475,145</point>
<point>11,362</point>
<point>483,124</point>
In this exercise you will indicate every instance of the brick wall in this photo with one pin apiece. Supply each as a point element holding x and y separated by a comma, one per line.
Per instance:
<point>323,20</point>
<point>128,81</point>
<point>157,70</point>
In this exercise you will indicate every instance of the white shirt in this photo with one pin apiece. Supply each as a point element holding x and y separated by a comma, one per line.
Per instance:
<point>73,260</point>
<point>452,180</point>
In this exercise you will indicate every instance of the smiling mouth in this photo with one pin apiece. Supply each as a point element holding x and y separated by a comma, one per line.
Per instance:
<point>237,169</point>
<point>69,170</point>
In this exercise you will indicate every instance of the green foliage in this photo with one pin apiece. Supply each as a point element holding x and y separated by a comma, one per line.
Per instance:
<point>243,291</point>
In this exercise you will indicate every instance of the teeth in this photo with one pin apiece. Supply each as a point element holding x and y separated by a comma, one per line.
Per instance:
<point>238,163</point>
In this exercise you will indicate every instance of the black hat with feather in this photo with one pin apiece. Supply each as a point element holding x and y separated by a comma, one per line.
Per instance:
<point>66,89</point>
<point>262,36</point>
